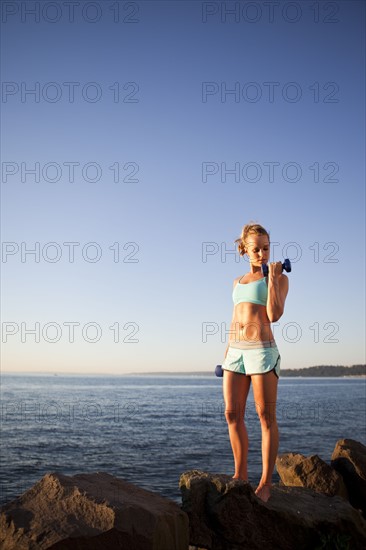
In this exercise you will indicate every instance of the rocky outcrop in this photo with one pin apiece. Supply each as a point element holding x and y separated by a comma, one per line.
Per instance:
<point>226,514</point>
<point>91,512</point>
<point>345,476</point>
<point>349,459</point>
<point>308,509</point>
<point>297,470</point>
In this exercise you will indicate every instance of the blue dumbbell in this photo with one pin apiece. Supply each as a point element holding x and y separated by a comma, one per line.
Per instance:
<point>218,371</point>
<point>285,266</point>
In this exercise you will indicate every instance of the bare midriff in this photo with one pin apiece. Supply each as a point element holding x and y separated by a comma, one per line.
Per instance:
<point>250,324</point>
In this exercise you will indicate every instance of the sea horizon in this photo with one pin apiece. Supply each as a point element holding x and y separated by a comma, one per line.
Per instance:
<point>158,373</point>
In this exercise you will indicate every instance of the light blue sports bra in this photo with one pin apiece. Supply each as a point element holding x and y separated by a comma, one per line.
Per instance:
<point>255,292</point>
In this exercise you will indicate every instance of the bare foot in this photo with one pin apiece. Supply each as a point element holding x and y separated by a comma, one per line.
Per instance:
<point>238,477</point>
<point>263,491</point>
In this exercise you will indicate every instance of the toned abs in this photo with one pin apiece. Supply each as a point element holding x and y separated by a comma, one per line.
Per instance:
<point>251,323</point>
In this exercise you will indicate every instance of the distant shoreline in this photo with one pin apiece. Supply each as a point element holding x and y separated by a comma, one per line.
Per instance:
<point>322,371</point>
<point>282,374</point>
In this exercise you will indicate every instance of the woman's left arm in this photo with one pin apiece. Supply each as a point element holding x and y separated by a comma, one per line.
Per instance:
<point>277,291</point>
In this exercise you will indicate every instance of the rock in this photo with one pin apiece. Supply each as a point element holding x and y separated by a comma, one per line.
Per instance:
<point>91,511</point>
<point>297,470</point>
<point>225,514</point>
<point>349,459</point>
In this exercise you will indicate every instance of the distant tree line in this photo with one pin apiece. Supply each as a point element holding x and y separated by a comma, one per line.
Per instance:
<point>326,370</point>
<point>322,370</point>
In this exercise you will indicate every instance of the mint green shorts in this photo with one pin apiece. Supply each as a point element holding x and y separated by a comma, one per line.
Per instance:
<point>247,358</point>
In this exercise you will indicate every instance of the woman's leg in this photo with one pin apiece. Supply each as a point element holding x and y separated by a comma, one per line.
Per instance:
<point>236,388</point>
<point>265,398</point>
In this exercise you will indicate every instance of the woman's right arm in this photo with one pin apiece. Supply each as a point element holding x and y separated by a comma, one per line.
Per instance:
<point>232,321</point>
<point>227,349</point>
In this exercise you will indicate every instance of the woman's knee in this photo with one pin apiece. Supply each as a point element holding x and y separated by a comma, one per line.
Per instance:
<point>266,414</point>
<point>235,415</point>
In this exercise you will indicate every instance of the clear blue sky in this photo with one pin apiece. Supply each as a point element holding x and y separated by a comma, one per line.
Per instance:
<point>294,130</point>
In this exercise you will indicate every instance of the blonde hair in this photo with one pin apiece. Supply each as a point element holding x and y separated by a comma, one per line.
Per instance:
<point>249,228</point>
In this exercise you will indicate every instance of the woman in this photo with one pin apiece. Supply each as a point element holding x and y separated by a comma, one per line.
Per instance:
<point>252,354</point>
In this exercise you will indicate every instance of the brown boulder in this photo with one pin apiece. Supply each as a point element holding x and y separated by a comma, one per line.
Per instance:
<point>297,470</point>
<point>91,511</point>
<point>349,459</point>
<point>226,514</point>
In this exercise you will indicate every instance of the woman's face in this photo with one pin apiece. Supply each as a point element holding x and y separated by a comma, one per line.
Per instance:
<point>257,248</point>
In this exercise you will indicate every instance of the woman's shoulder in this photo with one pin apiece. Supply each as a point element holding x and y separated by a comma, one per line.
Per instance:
<point>237,280</point>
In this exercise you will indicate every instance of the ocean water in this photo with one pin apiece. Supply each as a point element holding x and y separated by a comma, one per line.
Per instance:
<point>148,430</point>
